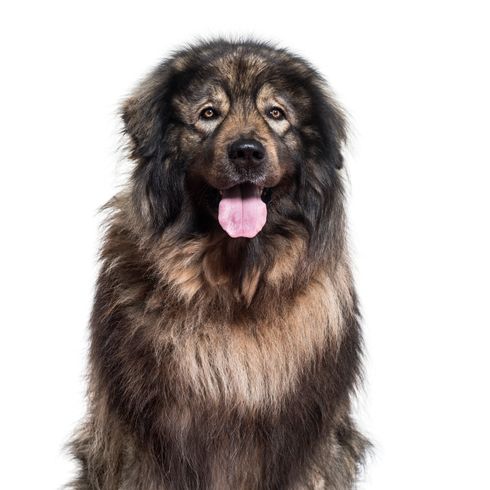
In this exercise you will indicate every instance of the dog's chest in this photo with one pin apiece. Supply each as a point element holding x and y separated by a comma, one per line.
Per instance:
<point>252,367</point>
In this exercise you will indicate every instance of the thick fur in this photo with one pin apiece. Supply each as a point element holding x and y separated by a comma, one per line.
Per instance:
<point>220,363</point>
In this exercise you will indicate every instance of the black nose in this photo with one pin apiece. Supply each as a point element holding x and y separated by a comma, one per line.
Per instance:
<point>247,150</point>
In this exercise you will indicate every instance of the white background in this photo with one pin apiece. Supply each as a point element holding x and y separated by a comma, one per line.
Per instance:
<point>414,77</point>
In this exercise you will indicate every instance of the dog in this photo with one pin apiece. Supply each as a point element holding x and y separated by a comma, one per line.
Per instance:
<point>225,332</point>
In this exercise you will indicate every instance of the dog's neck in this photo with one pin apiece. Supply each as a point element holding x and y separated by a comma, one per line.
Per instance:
<point>211,268</point>
<point>239,269</point>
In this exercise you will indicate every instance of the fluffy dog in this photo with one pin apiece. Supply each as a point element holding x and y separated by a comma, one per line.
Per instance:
<point>225,338</point>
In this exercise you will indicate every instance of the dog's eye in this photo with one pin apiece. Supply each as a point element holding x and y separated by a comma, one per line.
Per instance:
<point>209,113</point>
<point>276,113</point>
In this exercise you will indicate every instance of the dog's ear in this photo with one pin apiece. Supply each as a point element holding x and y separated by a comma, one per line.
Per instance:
<point>158,177</point>
<point>142,114</point>
<point>320,184</point>
<point>333,128</point>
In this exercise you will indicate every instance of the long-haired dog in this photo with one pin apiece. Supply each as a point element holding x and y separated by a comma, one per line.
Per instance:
<point>225,338</point>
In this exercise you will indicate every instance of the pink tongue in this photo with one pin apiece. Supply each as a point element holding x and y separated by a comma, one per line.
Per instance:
<point>241,212</point>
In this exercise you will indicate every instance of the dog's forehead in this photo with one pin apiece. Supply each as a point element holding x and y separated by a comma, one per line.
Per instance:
<point>241,72</point>
<point>236,74</point>
<point>241,76</point>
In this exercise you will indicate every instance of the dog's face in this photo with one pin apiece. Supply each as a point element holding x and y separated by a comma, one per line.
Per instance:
<point>237,129</point>
<point>237,138</point>
<point>243,136</point>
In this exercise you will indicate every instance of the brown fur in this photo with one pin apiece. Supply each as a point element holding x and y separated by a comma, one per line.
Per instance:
<point>221,363</point>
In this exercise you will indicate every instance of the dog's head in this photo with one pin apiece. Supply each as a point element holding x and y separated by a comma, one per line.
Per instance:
<point>240,137</point>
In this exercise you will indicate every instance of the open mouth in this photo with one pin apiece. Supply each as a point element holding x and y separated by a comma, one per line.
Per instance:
<point>242,211</point>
